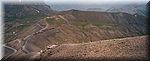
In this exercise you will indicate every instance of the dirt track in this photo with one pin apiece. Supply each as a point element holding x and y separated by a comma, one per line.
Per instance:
<point>77,42</point>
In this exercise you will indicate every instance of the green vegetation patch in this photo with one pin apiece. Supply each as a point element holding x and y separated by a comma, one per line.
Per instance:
<point>50,21</point>
<point>13,18</point>
<point>80,23</point>
<point>21,27</point>
<point>100,23</point>
<point>94,22</point>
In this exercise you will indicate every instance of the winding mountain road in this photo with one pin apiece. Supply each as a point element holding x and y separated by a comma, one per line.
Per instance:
<point>28,38</point>
<point>14,51</point>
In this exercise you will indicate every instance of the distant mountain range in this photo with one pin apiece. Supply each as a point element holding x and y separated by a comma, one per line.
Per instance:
<point>96,9</point>
<point>131,9</point>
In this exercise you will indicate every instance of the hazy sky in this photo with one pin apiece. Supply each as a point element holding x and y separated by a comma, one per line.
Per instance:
<point>95,1</point>
<point>84,4</point>
<point>79,1</point>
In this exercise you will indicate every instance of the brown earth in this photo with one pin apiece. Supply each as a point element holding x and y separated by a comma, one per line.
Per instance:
<point>82,35</point>
<point>129,48</point>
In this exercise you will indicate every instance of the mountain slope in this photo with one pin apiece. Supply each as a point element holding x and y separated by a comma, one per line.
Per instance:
<point>68,28</point>
<point>80,27</point>
<point>139,9</point>
<point>14,10</point>
<point>129,48</point>
<point>18,17</point>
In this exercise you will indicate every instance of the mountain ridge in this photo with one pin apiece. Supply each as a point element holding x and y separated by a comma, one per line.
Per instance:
<point>76,34</point>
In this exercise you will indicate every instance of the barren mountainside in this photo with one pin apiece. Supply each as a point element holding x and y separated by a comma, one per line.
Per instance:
<point>74,34</point>
<point>18,17</point>
<point>80,27</point>
<point>130,48</point>
<point>14,10</point>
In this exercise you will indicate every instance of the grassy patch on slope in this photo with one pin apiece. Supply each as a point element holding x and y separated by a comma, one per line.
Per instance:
<point>96,23</point>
